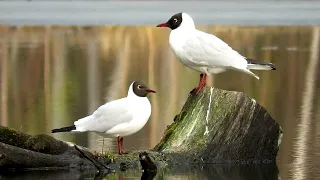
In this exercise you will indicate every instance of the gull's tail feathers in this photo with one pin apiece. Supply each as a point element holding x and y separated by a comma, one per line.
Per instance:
<point>64,129</point>
<point>246,71</point>
<point>80,125</point>
<point>250,73</point>
<point>258,65</point>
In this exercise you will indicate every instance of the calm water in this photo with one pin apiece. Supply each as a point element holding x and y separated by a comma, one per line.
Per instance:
<point>221,172</point>
<point>52,76</point>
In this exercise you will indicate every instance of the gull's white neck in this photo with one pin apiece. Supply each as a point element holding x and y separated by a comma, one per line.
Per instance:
<point>187,23</point>
<point>130,91</point>
<point>131,94</point>
<point>179,35</point>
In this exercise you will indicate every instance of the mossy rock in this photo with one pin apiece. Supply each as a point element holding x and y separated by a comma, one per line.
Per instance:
<point>46,144</point>
<point>39,143</point>
<point>13,137</point>
<point>218,126</point>
<point>20,151</point>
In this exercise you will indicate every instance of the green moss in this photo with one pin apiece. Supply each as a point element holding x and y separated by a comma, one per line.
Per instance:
<point>40,143</point>
<point>233,129</point>
<point>46,144</point>
<point>12,137</point>
<point>165,138</point>
<point>167,134</point>
<point>180,131</point>
<point>187,133</point>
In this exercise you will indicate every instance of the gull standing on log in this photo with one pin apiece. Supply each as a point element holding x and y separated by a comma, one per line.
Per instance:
<point>118,118</point>
<point>205,52</point>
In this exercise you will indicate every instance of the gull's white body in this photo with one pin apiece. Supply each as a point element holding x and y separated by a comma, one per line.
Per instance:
<point>205,52</point>
<point>121,117</point>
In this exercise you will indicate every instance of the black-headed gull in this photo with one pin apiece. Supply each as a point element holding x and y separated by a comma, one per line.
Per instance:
<point>205,52</point>
<point>118,118</point>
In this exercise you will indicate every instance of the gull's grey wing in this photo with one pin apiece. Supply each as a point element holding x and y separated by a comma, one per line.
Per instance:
<point>106,116</point>
<point>205,49</point>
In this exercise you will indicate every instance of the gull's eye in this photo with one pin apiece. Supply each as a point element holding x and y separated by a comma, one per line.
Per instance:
<point>175,20</point>
<point>139,86</point>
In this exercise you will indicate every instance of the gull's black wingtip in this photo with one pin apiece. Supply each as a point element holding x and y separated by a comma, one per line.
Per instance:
<point>266,64</point>
<point>64,129</point>
<point>273,67</point>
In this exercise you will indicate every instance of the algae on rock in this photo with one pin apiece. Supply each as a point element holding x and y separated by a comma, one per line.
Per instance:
<point>218,126</point>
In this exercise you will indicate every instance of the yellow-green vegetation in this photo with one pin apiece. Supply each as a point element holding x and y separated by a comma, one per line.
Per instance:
<point>104,156</point>
<point>108,154</point>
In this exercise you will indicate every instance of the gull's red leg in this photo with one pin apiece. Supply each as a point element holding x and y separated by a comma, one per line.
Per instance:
<point>195,90</point>
<point>119,145</point>
<point>121,142</point>
<point>203,83</point>
<point>204,80</point>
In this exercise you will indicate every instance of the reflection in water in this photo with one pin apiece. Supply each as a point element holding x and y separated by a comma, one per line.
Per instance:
<point>226,172</point>
<point>52,76</point>
<point>302,145</point>
<point>217,172</point>
<point>148,175</point>
<point>48,174</point>
<point>4,81</point>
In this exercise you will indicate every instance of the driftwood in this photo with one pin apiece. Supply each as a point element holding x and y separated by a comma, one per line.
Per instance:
<point>22,151</point>
<point>15,157</point>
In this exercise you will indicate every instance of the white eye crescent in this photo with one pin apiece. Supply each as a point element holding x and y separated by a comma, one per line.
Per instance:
<point>175,20</point>
<point>139,86</point>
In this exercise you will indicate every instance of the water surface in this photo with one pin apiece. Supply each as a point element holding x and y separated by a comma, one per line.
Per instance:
<point>53,75</point>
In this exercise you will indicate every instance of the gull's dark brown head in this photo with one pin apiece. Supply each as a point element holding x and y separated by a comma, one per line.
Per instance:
<point>174,22</point>
<point>141,89</point>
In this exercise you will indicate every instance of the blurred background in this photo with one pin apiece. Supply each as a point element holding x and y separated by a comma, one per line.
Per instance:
<point>60,60</point>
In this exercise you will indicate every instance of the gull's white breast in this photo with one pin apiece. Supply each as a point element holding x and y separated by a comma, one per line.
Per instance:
<point>140,109</point>
<point>177,40</point>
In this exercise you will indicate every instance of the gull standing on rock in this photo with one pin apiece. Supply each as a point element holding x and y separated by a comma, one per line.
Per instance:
<point>205,52</point>
<point>118,118</point>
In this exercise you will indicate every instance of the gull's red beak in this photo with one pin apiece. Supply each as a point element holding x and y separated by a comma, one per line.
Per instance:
<point>163,25</point>
<point>150,91</point>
